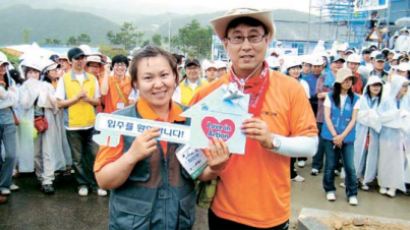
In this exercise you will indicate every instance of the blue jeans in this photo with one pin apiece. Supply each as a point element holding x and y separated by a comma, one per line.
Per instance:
<point>347,153</point>
<point>8,137</point>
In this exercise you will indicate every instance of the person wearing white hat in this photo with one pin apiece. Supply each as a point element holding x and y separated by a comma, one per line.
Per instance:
<point>323,86</point>
<point>395,114</point>
<point>52,72</point>
<point>312,79</point>
<point>293,69</point>
<point>48,152</point>
<point>366,145</point>
<point>273,63</point>
<point>8,99</point>
<point>306,66</point>
<point>211,70</point>
<point>95,66</point>
<point>283,126</point>
<point>403,69</point>
<point>338,131</point>
<point>353,63</point>
<point>64,63</point>
<point>29,93</point>
<point>222,67</point>
<point>402,43</point>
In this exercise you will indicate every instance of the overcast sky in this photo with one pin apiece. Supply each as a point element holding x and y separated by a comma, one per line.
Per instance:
<point>191,6</point>
<point>213,5</point>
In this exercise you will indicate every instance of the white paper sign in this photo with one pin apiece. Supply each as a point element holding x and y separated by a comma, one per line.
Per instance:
<point>113,126</point>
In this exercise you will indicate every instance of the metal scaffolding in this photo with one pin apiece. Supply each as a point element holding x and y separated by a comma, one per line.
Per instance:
<point>341,13</point>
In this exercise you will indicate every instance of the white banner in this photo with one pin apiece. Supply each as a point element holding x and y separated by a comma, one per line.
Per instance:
<point>368,5</point>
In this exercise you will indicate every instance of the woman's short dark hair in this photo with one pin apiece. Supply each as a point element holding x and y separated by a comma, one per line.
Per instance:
<point>147,52</point>
<point>246,21</point>
<point>119,59</point>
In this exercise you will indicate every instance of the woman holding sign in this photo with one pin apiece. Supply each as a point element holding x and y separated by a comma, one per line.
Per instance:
<point>149,188</point>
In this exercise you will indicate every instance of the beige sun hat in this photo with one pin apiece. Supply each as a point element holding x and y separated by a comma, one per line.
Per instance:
<point>94,58</point>
<point>343,74</point>
<point>220,24</point>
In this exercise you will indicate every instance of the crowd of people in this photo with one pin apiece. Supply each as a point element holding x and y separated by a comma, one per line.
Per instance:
<point>360,101</point>
<point>356,101</point>
<point>65,92</point>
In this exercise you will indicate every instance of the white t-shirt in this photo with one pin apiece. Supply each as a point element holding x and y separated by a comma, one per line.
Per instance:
<point>60,94</point>
<point>343,98</point>
<point>193,85</point>
<point>305,87</point>
<point>80,78</point>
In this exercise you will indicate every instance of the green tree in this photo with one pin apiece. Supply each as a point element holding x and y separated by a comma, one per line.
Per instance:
<point>157,39</point>
<point>129,36</point>
<point>83,39</point>
<point>145,43</point>
<point>72,41</point>
<point>52,41</point>
<point>194,40</point>
<point>112,51</point>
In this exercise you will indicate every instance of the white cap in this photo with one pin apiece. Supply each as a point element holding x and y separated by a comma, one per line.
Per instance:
<point>49,65</point>
<point>209,64</point>
<point>221,64</point>
<point>374,54</point>
<point>273,62</point>
<point>341,47</point>
<point>396,56</point>
<point>374,79</point>
<point>354,58</point>
<point>403,29</point>
<point>87,50</point>
<point>306,59</point>
<point>404,66</point>
<point>292,63</point>
<point>3,59</point>
<point>33,62</point>
<point>94,58</point>
<point>317,60</point>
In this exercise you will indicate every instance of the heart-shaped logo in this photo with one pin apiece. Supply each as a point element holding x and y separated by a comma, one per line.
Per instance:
<point>213,128</point>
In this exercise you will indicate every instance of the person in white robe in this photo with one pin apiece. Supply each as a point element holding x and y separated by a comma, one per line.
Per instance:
<point>368,126</point>
<point>394,145</point>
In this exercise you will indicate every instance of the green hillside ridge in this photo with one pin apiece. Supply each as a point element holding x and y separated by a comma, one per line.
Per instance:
<point>40,24</point>
<point>55,23</point>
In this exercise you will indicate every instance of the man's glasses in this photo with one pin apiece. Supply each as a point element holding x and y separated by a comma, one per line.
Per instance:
<point>237,39</point>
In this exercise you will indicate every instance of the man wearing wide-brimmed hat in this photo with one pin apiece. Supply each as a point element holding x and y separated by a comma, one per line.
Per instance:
<point>253,190</point>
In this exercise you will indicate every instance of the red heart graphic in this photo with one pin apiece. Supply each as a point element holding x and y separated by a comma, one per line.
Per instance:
<point>222,130</point>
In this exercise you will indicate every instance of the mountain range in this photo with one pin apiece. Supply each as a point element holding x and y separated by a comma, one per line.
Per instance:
<point>25,23</point>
